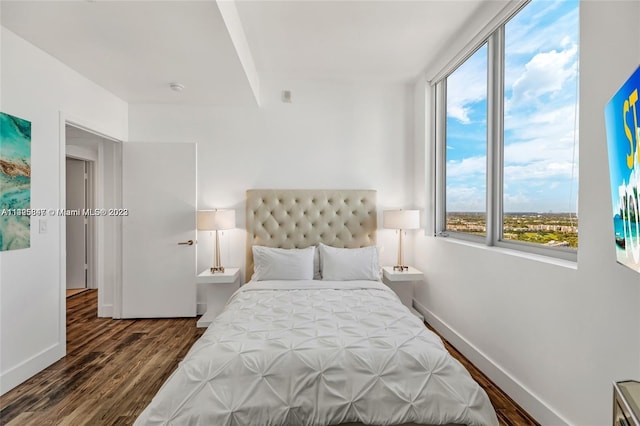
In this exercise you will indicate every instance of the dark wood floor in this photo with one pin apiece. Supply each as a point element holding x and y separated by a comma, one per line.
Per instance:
<point>509,413</point>
<point>75,291</point>
<point>111,371</point>
<point>114,367</point>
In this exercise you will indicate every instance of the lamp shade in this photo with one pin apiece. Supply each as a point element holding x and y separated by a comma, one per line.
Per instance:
<point>216,220</point>
<point>401,219</point>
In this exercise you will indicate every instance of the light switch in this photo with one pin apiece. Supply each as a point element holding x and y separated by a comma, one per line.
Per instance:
<point>42,226</point>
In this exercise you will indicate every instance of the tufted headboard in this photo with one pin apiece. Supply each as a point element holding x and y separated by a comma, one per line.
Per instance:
<point>299,218</point>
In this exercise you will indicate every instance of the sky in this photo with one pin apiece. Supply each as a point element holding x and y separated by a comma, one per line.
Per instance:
<point>540,138</point>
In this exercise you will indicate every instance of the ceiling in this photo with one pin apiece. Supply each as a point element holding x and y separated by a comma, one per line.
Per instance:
<point>135,49</point>
<point>356,40</point>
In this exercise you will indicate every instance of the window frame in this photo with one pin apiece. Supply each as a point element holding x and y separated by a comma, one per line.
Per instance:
<point>495,41</point>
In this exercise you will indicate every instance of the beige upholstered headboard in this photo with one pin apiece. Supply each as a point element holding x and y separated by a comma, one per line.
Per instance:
<point>293,218</point>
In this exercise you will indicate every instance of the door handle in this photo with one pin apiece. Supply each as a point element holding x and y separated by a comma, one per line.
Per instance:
<point>186,243</point>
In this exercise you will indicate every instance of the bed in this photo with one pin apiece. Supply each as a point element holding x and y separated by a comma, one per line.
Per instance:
<point>289,349</point>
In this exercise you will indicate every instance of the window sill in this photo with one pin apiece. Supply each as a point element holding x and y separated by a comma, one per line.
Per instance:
<point>550,260</point>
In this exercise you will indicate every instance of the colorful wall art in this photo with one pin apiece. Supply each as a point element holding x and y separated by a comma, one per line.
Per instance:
<point>15,182</point>
<point>622,117</point>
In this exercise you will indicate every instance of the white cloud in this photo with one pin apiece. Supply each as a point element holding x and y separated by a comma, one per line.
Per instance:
<point>525,37</point>
<point>539,173</point>
<point>555,121</point>
<point>466,86</point>
<point>458,111</point>
<point>546,73</point>
<point>544,150</point>
<point>465,199</point>
<point>516,199</point>
<point>467,167</point>
<point>541,145</point>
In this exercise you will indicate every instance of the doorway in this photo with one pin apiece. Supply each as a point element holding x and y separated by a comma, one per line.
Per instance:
<point>79,193</point>
<point>92,183</point>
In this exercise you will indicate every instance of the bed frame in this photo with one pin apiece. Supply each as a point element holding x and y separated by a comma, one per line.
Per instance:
<point>295,218</point>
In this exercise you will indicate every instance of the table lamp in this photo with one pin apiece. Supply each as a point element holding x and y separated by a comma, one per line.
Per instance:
<point>401,220</point>
<point>216,220</point>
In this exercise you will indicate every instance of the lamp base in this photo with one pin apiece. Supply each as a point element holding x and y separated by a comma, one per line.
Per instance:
<point>215,269</point>
<point>400,268</point>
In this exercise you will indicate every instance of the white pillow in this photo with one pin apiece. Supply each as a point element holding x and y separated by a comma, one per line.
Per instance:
<point>343,264</point>
<point>282,264</point>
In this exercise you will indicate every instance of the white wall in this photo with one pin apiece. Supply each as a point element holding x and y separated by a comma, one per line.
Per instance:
<point>333,135</point>
<point>39,88</point>
<point>553,336</point>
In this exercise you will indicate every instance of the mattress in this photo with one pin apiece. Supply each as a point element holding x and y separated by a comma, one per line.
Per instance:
<point>318,353</point>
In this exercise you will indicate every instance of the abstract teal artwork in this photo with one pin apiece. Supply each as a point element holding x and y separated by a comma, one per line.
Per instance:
<point>15,182</point>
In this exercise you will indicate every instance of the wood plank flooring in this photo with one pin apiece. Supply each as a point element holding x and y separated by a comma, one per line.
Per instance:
<point>114,367</point>
<point>111,371</point>
<point>75,291</point>
<point>509,413</point>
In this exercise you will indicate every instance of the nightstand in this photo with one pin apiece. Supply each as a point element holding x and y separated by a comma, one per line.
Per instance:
<point>402,283</point>
<point>219,287</point>
<point>626,403</point>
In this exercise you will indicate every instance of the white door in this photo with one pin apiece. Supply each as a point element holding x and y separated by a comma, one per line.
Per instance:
<point>76,224</point>
<point>159,195</point>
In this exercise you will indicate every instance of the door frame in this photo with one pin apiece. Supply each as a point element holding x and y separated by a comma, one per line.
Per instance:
<point>98,251</point>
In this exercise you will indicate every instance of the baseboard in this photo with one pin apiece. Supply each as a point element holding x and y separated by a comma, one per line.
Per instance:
<point>533,404</point>
<point>27,369</point>
<point>106,311</point>
<point>201,308</point>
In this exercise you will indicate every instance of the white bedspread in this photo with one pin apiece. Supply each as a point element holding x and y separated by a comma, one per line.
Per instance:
<point>318,353</point>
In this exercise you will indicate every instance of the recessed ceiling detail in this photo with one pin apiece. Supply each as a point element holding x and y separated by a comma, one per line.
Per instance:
<point>221,50</point>
<point>133,48</point>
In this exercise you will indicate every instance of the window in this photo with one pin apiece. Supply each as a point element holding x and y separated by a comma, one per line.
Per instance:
<point>509,138</point>
<point>466,145</point>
